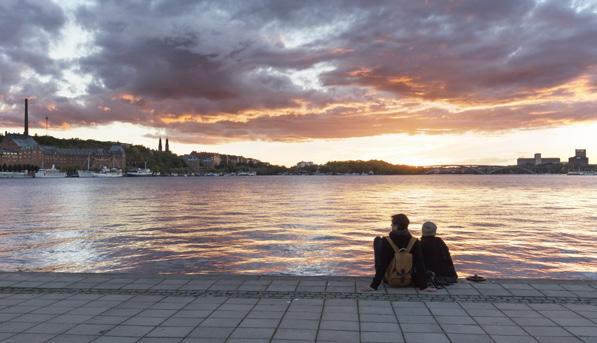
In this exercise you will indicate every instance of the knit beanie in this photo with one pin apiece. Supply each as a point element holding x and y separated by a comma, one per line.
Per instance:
<point>429,229</point>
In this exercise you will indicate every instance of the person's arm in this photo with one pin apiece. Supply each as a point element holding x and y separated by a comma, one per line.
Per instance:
<point>381,251</point>
<point>450,270</point>
<point>419,265</point>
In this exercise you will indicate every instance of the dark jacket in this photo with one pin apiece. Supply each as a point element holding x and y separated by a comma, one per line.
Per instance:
<point>384,253</point>
<point>437,257</point>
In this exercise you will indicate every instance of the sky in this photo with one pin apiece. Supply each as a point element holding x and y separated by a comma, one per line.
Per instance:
<point>418,82</point>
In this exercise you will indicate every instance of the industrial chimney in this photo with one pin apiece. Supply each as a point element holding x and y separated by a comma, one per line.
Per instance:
<point>26,117</point>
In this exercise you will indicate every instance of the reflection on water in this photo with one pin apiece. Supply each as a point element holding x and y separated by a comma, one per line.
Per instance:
<point>508,226</point>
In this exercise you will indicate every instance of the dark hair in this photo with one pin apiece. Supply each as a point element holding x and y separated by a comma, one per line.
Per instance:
<point>401,221</point>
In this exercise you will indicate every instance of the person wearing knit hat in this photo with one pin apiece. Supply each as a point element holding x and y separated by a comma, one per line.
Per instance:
<point>429,229</point>
<point>437,255</point>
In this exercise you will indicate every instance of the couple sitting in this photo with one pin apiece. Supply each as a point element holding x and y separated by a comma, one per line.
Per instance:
<point>402,260</point>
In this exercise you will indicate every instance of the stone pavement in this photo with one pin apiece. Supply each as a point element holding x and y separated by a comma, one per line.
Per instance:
<point>56,307</point>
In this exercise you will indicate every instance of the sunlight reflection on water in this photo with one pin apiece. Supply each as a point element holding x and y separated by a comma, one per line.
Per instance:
<point>507,226</point>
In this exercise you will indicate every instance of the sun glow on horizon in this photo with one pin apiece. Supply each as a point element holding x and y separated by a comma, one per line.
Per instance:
<point>418,149</point>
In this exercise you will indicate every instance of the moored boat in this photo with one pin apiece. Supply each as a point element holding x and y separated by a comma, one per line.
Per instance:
<point>140,172</point>
<point>14,175</point>
<point>50,173</point>
<point>105,172</point>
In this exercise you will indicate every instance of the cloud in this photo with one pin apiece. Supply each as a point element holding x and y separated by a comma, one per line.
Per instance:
<point>214,71</point>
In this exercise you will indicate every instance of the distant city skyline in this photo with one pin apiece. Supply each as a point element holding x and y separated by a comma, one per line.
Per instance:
<point>420,83</point>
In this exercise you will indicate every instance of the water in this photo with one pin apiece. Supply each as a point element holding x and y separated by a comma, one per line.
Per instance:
<point>501,226</point>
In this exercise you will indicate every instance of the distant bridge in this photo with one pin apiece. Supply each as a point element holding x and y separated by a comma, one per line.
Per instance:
<point>472,169</point>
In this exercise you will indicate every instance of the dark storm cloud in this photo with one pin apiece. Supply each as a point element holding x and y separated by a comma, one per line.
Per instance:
<point>26,28</point>
<point>153,62</point>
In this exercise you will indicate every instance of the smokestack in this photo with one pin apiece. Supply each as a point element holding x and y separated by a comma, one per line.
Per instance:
<point>26,117</point>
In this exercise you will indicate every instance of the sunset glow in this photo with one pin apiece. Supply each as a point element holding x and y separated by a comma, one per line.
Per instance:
<point>405,82</point>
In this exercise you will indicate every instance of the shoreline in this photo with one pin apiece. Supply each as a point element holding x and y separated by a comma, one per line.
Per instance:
<point>226,275</point>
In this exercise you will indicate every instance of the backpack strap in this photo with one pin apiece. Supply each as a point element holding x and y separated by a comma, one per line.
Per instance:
<point>394,247</point>
<point>410,245</point>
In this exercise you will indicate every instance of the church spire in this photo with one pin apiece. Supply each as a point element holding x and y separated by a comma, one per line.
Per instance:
<point>160,145</point>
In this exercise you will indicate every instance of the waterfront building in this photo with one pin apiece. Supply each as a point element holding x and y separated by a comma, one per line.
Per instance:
<point>537,160</point>
<point>579,160</point>
<point>202,160</point>
<point>22,149</point>
<point>303,164</point>
<point>18,149</point>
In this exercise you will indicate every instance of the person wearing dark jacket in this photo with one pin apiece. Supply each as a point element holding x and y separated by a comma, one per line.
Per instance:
<point>437,255</point>
<point>384,253</point>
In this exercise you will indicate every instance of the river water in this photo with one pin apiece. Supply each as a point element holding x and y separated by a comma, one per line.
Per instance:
<point>498,226</point>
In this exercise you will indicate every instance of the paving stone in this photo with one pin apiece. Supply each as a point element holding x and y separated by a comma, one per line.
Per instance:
<point>504,330</point>
<point>170,331</point>
<point>435,328</point>
<point>376,318</point>
<point>228,314</point>
<point>299,324</point>
<point>221,322</point>
<point>211,332</point>
<point>382,327</point>
<point>159,340</point>
<point>15,327</point>
<point>72,339</point>
<point>144,321</point>
<point>533,322</point>
<point>558,339</point>
<point>116,339</point>
<point>340,316</point>
<point>129,331</point>
<point>464,329</point>
<point>338,336</point>
<point>416,319</point>
<point>48,328</point>
<point>28,338</point>
<point>381,337</point>
<point>296,334</point>
<point>466,338</point>
<point>278,315</point>
<point>339,325</point>
<point>253,333</point>
<point>551,331</point>
<point>513,339</point>
<point>260,323</point>
<point>416,337</point>
<point>90,329</point>
<point>178,321</point>
<point>106,320</point>
<point>583,331</point>
<point>455,320</point>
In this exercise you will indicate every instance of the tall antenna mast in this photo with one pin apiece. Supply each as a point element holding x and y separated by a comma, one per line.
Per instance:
<point>46,125</point>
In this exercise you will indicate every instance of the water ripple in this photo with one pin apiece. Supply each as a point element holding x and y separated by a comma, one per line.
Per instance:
<point>508,226</point>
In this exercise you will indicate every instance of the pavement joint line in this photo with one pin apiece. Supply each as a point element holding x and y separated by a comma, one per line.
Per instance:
<point>305,294</point>
<point>283,317</point>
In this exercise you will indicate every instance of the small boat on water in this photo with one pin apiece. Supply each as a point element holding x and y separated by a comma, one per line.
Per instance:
<point>140,172</point>
<point>50,173</point>
<point>85,173</point>
<point>247,173</point>
<point>105,172</point>
<point>14,175</point>
<point>582,173</point>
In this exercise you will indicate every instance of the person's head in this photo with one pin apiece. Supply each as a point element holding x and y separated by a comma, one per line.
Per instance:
<point>429,229</point>
<point>400,222</point>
